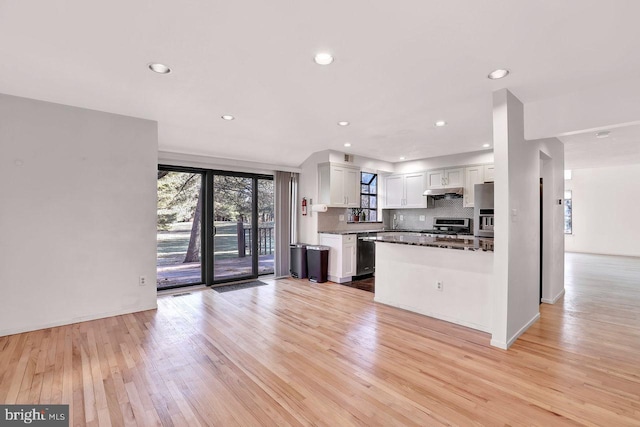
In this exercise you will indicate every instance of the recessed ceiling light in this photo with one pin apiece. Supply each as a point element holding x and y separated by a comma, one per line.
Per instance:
<point>347,144</point>
<point>343,123</point>
<point>159,68</point>
<point>402,158</point>
<point>498,74</point>
<point>486,145</point>
<point>323,58</point>
<point>228,117</point>
<point>603,134</point>
<point>440,123</point>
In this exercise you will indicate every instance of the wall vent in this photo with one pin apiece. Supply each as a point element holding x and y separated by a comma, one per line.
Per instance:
<point>182,294</point>
<point>348,158</point>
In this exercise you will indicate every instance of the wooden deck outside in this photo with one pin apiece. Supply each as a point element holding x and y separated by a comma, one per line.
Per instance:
<point>297,353</point>
<point>189,273</point>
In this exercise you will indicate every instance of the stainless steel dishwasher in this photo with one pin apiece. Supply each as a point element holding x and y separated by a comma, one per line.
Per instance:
<point>366,251</point>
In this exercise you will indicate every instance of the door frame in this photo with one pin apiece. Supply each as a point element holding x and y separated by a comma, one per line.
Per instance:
<point>207,231</point>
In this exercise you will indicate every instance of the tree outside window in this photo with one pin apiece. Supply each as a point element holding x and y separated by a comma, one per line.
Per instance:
<point>369,195</point>
<point>568,218</point>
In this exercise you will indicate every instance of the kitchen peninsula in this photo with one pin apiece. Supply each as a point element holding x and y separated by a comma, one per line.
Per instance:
<point>445,278</point>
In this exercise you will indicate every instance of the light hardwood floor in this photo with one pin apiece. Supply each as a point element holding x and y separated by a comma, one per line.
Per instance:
<point>295,353</point>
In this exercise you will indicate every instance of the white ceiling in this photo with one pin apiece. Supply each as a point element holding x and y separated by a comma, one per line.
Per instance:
<point>399,66</point>
<point>585,150</point>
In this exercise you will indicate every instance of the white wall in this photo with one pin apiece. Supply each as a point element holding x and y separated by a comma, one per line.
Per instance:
<point>516,292</point>
<point>217,163</point>
<point>77,214</point>
<point>605,199</point>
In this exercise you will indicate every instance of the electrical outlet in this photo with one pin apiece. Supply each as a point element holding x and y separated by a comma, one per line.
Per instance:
<point>401,217</point>
<point>142,281</point>
<point>422,218</point>
<point>341,218</point>
<point>439,286</point>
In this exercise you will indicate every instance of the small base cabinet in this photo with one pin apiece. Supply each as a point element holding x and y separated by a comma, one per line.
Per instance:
<point>342,256</point>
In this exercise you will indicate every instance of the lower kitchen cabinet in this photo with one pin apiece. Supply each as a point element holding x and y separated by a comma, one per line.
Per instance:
<point>342,256</point>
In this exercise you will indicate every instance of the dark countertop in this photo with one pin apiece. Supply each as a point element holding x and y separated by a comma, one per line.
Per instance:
<point>352,231</point>
<point>468,244</point>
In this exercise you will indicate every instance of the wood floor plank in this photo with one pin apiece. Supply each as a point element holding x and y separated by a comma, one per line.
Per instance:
<point>294,353</point>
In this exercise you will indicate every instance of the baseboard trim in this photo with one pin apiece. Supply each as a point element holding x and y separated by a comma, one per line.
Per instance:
<point>80,319</point>
<point>457,321</point>
<point>336,279</point>
<point>554,299</point>
<point>523,330</point>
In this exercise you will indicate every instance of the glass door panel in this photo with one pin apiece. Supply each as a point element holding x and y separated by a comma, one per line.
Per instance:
<point>232,216</point>
<point>266,235</point>
<point>178,228</point>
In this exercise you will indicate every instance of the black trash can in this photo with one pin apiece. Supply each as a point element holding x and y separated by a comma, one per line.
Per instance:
<point>318,263</point>
<point>298,261</point>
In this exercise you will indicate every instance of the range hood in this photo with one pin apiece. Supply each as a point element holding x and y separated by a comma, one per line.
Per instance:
<point>444,193</point>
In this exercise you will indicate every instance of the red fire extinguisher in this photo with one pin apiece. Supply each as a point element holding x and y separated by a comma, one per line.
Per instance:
<point>304,206</point>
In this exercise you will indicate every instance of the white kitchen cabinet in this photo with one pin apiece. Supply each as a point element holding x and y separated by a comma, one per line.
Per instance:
<point>342,256</point>
<point>488,173</point>
<point>339,185</point>
<point>472,175</point>
<point>445,178</point>
<point>394,191</point>
<point>405,191</point>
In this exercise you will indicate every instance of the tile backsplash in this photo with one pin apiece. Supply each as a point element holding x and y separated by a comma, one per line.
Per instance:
<point>330,221</point>
<point>411,217</point>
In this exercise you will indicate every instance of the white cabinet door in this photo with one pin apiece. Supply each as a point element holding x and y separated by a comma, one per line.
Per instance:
<point>454,177</point>
<point>414,186</point>
<point>352,187</point>
<point>337,182</point>
<point>342,255</point>
<point>394,191</point>
<point>473,175</point>
<point>445,178</point>
<point>435,179</point>
<point>338,186</point>
<point>488,173</point>
<point>335,254</point>
<point>349,259</point>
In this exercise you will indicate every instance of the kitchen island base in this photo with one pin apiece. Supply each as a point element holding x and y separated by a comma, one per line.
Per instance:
<point>407,278</point>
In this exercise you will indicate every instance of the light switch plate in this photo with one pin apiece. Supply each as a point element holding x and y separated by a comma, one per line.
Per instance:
<point>422,218</point>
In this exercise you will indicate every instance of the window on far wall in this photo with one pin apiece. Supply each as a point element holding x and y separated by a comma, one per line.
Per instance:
<point>568,229</point>
<point>369,195</point>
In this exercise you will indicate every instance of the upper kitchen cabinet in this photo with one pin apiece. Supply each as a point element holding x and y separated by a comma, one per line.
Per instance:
<point>405,191</point>
<point>488,173</point>
<point>445,178</point>
<point>472,175</point>
<point>339,185</point>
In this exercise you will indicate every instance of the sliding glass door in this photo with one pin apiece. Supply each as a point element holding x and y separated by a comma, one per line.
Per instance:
<point>266,223</point>
<point>243,214</point>
<point>232,219</point>
<point>179,228</point>
<point>223,218</point>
